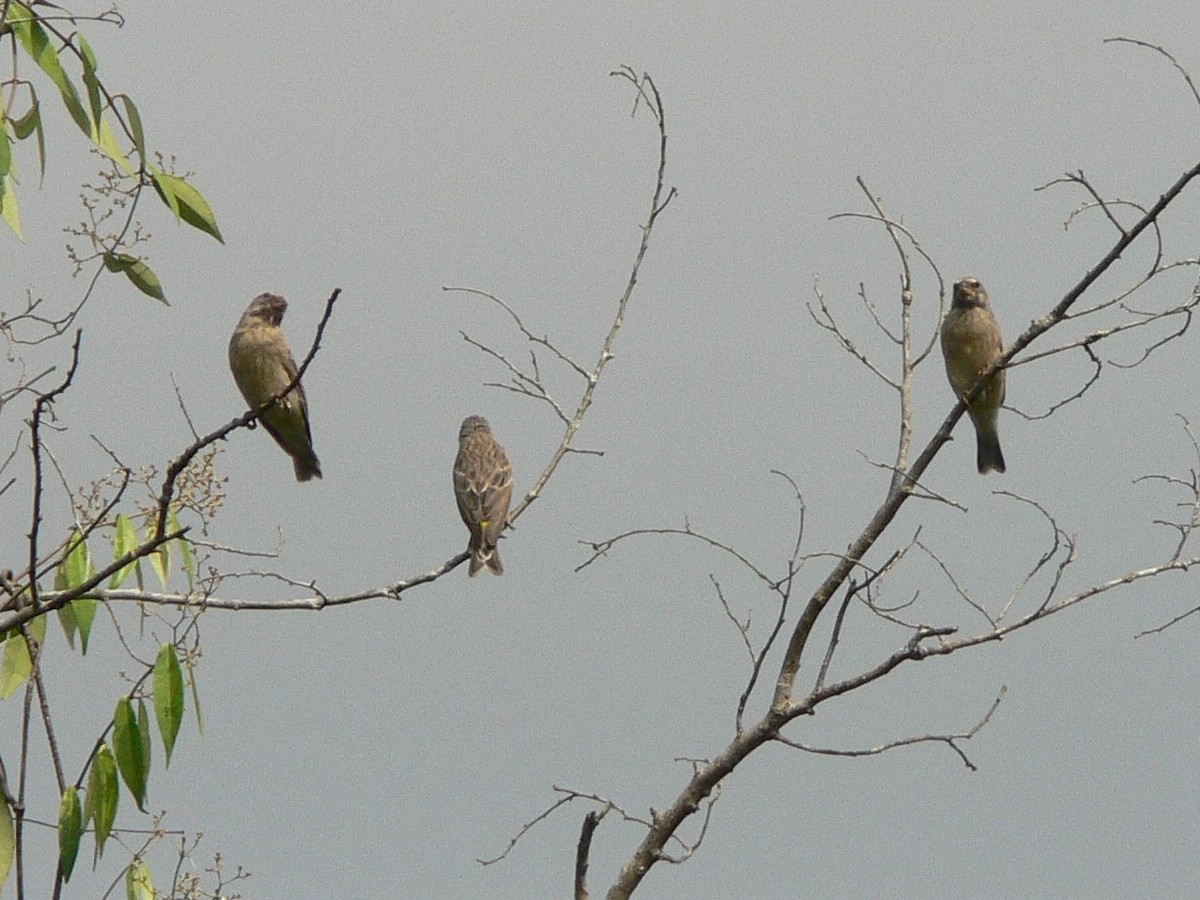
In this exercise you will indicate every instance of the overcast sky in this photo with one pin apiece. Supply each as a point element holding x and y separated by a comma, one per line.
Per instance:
<point>379,749</point>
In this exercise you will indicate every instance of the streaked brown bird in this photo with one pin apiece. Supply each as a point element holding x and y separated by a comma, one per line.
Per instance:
<point>262,365</point>
<point>970,343</point>
<point>483,484</point>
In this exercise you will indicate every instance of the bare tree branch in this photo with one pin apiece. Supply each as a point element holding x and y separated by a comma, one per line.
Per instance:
<point>590,821</point>
<point>951,740</point>
<point>898,494</point>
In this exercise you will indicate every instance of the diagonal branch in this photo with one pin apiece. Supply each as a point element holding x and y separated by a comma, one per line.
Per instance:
<point>177,465</point>
<point>662,196</point>
<point>899,494</point>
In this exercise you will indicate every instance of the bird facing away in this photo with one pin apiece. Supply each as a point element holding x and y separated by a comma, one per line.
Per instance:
<point>970,343</point>
<point>483,484</point>
<point>262,365</point>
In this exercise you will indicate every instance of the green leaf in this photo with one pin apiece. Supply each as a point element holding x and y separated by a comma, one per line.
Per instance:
<point>8,840</point>
<point>160,561</point>
<point>160,557</point>
<point>87,805</point>
<point>89,77</point>
<point>36,42</point>
<point>127,747</point>
<point>119,262</point>
<point>8,205</point>
<point>5,150</point>
<point>85,613</point>
<point>135,125</point>
<point>168,696</point>
<point>139,273</point>
<point>37,629</point>
<point>66,618</point>
<point>89,58</point>
<point>195,689</point>
<point>125,538</point>
<point>15,665</point>
<point>30,123</point>
<point>187,559</point>
<point>138,885</point>
<point>102,795</point>
<point>107,142</point>
<point>70,830</point>
<point>66,614</point>
<point>186,202</point>
<point>74,569</point>
<point>76,565</point>
<point>163,188</point>
<point>143,718</point>
<point>146,281</point>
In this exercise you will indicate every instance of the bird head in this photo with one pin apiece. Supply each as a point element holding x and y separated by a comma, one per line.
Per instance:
<point>472,425</point>
<point>968,292</point>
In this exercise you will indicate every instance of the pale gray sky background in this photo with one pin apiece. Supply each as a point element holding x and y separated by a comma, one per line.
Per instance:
<point>390,149</point>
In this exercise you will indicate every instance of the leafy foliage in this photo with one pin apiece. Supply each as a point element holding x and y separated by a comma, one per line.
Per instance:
<point>48,50</point>
<point>107,120</point>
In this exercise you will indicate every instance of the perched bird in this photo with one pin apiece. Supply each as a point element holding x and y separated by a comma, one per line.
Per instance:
<point>262,365</point>
<point>483,484</point>
<point>970,343</point>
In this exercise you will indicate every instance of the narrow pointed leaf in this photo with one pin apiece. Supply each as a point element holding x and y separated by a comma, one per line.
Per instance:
<point>102,795</point>
<point>70,627</point>
<point>37,44</point>
<point>27,124</point>
<point>160,559</point>
<point>195,689</point>
<point>5,151</point>
<point>89,57</point>
<point>144,279</point>
<point>118,262</point>
<point>8,205</point>
<point>127,748</point>
<point>88,812</point>
<point>125,538</point>
<point>15,665</point>
<point>90,82</point>
<point>85,613</point>
<point>37,629</point>
<point>168,697</point>
<point>187,560</point>
<point>161,562</point>
<point>135,125</point>
<point>106,140</point>
<point>187,203</point>
<point>41,142</point>
<point>66,614</point>
<point>138,885</point>
<point>31,123</point>
<point>159,179</point>
<point>70,830</point>
<point>8,841</point>
<point>143,719</point>
<point>76,568</point>
<point>77,564</point>
<point>139,273</point>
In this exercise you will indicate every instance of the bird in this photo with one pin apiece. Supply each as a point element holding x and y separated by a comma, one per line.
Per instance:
<point>483,484</point>
<point>971,342</point>
<point>263,365</point>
